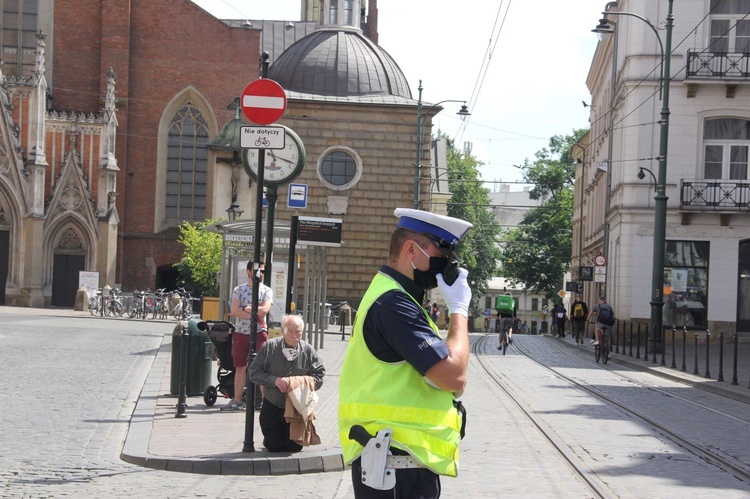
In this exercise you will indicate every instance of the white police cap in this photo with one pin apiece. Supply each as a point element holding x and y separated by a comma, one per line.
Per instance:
<point>445,231</point>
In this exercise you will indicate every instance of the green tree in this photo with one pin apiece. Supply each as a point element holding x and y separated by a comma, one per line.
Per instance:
<point>478,251</point>
<point>537,253</point>
<point>201,261</point>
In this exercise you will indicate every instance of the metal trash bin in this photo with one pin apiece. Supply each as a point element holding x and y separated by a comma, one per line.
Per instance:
<point>199,363</point>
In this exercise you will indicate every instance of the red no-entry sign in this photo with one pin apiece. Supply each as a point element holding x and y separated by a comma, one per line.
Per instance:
<point>263,101</point>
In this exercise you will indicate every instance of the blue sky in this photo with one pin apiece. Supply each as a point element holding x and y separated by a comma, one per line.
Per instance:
<point>522,85</point>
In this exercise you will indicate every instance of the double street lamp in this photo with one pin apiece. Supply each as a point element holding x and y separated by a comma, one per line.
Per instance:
<point>463,113</point>
<point>660,199</point>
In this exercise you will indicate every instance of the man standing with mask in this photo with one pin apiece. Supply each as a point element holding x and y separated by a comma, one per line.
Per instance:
<point>400,378</point>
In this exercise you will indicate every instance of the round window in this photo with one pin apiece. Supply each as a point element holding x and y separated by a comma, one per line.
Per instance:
<point>339,168</point>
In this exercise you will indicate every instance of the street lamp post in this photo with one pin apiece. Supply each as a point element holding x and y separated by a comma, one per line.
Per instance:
<point>463,113</point>
<point>660,199</point>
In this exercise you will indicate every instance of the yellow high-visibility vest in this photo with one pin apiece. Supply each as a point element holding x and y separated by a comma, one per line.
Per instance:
<point>378,395</point>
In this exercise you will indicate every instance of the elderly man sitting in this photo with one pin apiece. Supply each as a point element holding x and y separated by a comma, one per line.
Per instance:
<point>287,367</point>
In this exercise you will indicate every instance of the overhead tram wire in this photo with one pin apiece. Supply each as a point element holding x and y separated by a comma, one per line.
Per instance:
<point>479,82</point>
<point>136,99</point>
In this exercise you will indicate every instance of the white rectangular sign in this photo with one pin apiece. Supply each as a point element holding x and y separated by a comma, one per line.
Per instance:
<point>262,137</point>
<point>88,279</point>
<point>679,280</point>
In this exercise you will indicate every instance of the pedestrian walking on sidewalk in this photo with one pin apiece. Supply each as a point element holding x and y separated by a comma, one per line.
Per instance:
<point>398,372</point>
<point>560,319</point>
<point>242,308</point>
<point>579,311</point>
<point>287,368</point>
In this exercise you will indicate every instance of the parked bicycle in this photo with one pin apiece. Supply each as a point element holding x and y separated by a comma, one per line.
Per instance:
<point>160,307</point>
<point>184,309</point>
<point>95,303</point>
<point>113,304</point>
<point>138,309</point>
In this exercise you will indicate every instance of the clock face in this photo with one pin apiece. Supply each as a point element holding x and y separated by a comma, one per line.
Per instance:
<point>281,165</point>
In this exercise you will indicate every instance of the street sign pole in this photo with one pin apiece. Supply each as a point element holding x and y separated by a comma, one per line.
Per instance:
<point>249,445</point>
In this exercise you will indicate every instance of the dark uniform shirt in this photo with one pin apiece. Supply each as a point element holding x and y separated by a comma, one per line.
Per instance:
<point>396,328</point>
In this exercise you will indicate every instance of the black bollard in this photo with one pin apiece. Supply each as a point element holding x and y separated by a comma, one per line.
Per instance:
<point>341,321</point>
<point>630,352</point>
<point>708,344</point>
<point>684,349</point>
<point>617,337</point>
<point>695,356</point>
<point>734,354</point>
<point>674,333</point>
<point>721,357</point>
<point>182,397</point>
<point>638,343</point>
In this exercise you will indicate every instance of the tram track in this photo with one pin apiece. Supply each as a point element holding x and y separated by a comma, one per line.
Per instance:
<point>725,463</point>
<point>579,468</point>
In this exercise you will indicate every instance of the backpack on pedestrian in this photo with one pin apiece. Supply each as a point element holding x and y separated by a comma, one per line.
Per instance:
<point>605,315</point>
<point>578,312</point>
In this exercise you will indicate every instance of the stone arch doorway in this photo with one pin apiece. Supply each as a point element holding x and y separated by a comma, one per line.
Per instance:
<point>743,287</point>
<point>69,258</point>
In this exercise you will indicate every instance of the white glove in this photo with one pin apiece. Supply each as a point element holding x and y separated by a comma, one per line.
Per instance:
<point>458,295</point>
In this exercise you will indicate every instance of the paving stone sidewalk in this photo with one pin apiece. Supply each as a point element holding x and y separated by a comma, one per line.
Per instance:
<point>210,441</point>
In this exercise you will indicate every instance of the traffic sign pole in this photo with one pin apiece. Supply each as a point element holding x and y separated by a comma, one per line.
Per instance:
<point>249,444</point>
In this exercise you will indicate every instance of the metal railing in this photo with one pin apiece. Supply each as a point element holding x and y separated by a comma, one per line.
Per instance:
<point>718,65</point>
<point>728,195</point>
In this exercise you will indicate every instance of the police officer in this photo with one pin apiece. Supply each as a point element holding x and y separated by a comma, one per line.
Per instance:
<point>399,373</point>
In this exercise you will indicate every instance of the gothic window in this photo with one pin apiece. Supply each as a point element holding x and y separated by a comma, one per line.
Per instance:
<point>730,27</point>
<point>187,166</point>
<point>19,27</point>
<point>725,148</point>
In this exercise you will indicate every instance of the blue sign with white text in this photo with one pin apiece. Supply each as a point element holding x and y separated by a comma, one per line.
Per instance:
<point>297,196</point>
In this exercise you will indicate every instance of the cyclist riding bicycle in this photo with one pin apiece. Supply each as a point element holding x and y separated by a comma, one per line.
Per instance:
<point>506,313</point>
<point>605,319</point>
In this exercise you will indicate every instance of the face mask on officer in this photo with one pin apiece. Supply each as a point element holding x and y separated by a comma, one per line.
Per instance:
<point>427,279</point>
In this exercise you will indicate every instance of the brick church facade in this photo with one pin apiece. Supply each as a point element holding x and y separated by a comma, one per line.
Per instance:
<point>95,93</point>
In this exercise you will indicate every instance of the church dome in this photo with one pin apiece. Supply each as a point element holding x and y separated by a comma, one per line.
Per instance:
<point>340,63</point>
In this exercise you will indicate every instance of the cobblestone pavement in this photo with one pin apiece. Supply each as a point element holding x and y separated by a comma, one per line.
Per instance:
<point>73,383</point>
<point>77,382</point>
<point>630,456</point>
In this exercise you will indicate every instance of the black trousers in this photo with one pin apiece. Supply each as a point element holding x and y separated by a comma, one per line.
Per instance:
<point>411,483</point>
<point>275,429</point>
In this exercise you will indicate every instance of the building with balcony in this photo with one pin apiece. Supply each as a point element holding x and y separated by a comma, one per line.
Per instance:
<point>707,250</point>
